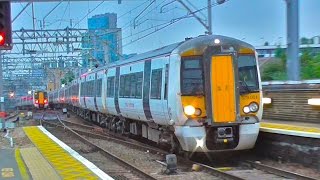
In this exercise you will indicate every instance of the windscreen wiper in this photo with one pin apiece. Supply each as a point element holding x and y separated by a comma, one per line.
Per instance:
<point>246,87</point>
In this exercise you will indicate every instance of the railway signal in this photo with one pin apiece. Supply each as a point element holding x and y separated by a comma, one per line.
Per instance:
<point>11,94</point>
<point>5,26</point>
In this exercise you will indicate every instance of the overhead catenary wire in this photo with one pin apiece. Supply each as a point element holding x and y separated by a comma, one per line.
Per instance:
<point>169,24</point>
<point>89,12</point>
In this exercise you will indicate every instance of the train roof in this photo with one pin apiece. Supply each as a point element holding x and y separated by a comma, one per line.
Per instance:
<point>147,55</point>
<point>200,43</point>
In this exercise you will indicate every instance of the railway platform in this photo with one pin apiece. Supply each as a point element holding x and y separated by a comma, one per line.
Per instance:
<point>290,141</point>
<point>293,128</point>
<point>49,158</point>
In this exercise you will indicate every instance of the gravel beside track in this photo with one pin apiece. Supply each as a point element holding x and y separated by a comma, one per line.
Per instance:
<point>146,160</point>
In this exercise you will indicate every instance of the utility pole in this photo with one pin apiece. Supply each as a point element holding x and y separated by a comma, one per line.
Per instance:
<point>293,60</point>
<point>208,24</point>
<point>209,18</point>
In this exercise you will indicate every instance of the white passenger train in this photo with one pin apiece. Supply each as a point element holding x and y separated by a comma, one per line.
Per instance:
<point>199,95</point>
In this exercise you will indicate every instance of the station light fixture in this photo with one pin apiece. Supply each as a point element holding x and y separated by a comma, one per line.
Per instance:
<point>314,101</point>
<point>5,26</point>
<point>266,100</point>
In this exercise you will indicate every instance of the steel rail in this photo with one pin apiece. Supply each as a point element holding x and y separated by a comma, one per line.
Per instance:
<point>209,169</point>
<point>279,172</point>
<point>135,144</point>
<point>108,154</point>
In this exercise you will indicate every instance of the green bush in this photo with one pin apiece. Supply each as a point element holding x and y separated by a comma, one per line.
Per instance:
<point>310,66</point>
<point>273,71</point>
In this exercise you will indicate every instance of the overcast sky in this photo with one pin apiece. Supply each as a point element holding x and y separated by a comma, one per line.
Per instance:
<point>254,21</point>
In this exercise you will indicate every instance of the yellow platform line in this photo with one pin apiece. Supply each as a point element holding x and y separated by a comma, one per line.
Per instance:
<point>21,165</point>
<point>291,129</point>
<point>66,165</point>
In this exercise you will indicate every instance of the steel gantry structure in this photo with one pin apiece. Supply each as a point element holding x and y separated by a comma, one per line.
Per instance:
<point>36,52</point>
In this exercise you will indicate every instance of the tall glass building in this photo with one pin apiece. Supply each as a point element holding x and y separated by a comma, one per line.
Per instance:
<point>102,44</point>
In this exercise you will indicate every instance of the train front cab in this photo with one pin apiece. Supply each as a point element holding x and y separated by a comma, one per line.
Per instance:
<point>222,92</point>
<point>40,99</point>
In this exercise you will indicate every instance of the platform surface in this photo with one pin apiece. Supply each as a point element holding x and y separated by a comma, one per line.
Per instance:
<point>8,165</point>
<point>294,128</point>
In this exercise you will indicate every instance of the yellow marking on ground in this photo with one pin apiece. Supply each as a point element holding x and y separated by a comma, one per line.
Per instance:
<point>38,166</point>
<point>21,165</point>
<point>66,165</point>
<point>7,172</point>
<point>290,127</point>
<point>223,169</point>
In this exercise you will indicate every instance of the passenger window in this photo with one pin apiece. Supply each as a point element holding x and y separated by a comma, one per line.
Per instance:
<point>127,86</point>
<point>166,78</point>
<point>110,87</point>
<point>122,81</point>
<point>139,77</point>
<point>98,88</point>
<point>133,83</point>
<point>156,79</point>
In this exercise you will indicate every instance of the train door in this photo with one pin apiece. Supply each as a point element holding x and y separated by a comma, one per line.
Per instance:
<point>158,102</point>
<point>165,80</point>
<point>223,88</point>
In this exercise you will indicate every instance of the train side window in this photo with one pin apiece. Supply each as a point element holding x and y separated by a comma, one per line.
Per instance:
<point>122,81</point>
<point>93,89</point>
<point>98,88</point>
<point>133,82</point>
<point>81,89</point>
<point>156,82</point>
<point>127,86</point>
<point>86,88</point>
<point>166,78</point>
<point>139,78</point>
<point>110,87</point>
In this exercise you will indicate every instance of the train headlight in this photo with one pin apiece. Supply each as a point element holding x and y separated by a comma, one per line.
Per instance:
<point>189,110</point>
<point>198,112</point>
<point>254,107</point>
<point>246,109</point>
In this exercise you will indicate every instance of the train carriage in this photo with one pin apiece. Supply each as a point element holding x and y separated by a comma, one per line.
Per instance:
<point>202,94</point>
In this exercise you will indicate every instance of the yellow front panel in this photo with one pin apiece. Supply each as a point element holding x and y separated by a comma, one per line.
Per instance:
<point>41,98</point>
<point>223,89</point>
<point>246,99</point>
<point>196,102</point>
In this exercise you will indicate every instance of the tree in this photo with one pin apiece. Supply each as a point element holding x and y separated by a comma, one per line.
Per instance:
<point>266,43</point>
<point>68,77</point>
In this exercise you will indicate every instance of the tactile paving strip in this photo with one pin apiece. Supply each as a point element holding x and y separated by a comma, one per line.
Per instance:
<point>66,165</point>
<point>38,167</point>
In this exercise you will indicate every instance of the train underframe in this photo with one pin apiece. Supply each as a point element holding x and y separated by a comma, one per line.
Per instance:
<point>178,138</point>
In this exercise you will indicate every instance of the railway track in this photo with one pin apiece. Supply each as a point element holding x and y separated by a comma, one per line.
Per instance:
<point>116,167</point>
<point>245,170</point>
